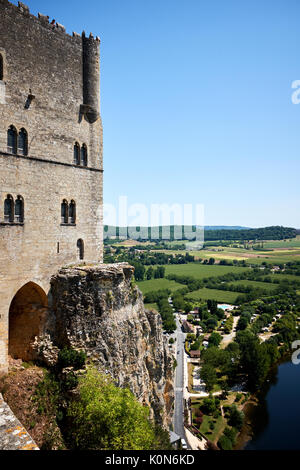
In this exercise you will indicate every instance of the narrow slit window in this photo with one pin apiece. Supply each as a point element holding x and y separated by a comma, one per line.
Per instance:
<point>80,249</point>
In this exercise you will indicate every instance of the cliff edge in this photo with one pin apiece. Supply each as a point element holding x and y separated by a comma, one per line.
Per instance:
<point>99,310</point>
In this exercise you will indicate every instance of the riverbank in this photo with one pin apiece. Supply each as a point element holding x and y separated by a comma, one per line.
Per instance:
<point>246,433</point>
<point>272,415</point>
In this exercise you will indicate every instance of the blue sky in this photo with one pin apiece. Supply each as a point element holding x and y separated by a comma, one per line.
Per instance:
<point>196,103</point>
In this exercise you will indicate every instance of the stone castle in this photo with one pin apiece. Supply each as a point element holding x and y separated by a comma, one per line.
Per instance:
<point>50,166</point>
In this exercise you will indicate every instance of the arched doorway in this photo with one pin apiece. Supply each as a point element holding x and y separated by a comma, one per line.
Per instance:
<point>27,315</point>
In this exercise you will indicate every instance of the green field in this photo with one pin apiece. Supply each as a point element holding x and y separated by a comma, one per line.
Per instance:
<point>219,425</point>
<point>213,294</point>
<point>249,256</point>
<point>158,284</point>
<point>293,243</point>
<point>289,277</point>
<point>257,284</point>
<point>200,271</point>
<point>276,259</point>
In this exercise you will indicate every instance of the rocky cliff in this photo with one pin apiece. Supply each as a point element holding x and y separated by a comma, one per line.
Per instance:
<point>97,309</point>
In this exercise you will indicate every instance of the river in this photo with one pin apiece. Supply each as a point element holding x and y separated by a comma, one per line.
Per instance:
<point>275,421</point>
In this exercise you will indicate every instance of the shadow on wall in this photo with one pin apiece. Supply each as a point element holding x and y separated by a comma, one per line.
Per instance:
<point>27,317</point>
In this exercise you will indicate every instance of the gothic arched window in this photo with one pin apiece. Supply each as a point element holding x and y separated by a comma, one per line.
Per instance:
<point>72,212</point>
<point>80,249</point>
<point>9,209</point>
<point>12,140</point>
<point>64,212</point>
<point>84,155</point>
<point>19,209</point>
<point>76,154</point>
<point>22,142</point>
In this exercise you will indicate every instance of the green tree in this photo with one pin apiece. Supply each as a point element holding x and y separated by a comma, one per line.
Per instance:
<point>139,271</point>
<point>236,417</point>
<point>214,339</point>
<point>188,307</point>
<point>225,443</point>
<point>209,376</point>
<point>150,273</point>
<point>106,417</point>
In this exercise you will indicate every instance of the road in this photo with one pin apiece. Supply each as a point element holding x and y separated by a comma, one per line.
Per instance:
<point>179,382</point>
<point>230,337</point>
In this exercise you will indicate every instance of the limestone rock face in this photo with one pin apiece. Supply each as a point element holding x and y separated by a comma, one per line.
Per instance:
<point>98,310</point>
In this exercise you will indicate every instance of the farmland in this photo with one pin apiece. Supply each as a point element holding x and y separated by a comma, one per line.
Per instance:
<point>201,271</point>
<point>206,272</point>
<point>158,284</point>
<point>215,294</point>
<point>259,285</point>
<point>208,265</point>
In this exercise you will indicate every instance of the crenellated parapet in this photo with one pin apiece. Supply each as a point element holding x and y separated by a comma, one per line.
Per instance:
<point>44,20</point>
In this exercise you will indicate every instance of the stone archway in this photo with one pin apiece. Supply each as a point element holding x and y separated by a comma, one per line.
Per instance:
<point>27,316</point>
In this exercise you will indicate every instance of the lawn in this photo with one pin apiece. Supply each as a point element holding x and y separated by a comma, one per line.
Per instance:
<point>214,294</point>
<point>219,425</point>
<point>158,284</point>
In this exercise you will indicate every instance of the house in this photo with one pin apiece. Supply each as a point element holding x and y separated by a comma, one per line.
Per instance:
<point>187,327</point>
<point>195,354</point>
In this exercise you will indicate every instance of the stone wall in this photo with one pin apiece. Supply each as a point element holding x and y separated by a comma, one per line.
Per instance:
<point>62,73</point>
<point>13,436</point>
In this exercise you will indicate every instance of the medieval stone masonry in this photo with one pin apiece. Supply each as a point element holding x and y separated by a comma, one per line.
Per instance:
<point>50,166</point>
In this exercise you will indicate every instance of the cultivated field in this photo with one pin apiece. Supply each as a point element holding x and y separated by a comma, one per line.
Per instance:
<point>158,284</point>
<point>200,271</point>
<point>258,284</point>
<point>213,294</point>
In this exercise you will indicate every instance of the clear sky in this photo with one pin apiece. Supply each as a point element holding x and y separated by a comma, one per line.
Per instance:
<point>196,103</point>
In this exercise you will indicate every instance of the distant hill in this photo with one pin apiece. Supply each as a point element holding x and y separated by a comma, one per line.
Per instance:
<point>225,227</point>
<point>211,233</point>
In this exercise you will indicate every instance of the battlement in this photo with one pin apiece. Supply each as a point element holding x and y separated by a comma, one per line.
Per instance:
<point>45,21</point>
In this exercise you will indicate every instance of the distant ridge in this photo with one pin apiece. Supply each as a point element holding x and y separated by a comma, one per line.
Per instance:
<point>225,227</point>
<point>211,233</point>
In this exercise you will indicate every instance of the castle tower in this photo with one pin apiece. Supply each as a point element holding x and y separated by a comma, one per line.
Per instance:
<point>50,167</point>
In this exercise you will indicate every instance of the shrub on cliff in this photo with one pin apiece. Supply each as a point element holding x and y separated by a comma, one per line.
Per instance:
<point>106,417</point>
<point>71,358</point>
